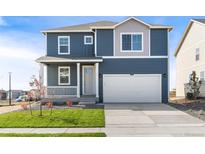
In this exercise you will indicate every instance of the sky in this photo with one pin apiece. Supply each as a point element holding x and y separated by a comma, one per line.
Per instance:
<point>21,42</point>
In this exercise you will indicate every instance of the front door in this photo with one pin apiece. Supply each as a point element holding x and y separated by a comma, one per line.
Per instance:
<point>88,80</point>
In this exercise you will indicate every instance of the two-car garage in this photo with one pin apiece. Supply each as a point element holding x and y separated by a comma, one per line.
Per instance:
<point>136,88</point>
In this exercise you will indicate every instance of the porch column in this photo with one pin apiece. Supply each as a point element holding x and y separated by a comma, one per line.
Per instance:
<point>78,80</point>
<point>45,78</point>
<point>97,79</point>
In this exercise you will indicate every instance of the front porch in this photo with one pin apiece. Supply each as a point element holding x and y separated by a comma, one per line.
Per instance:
<point>79,82</point>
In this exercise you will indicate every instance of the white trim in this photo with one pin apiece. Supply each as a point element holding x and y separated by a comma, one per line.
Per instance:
<point>131,33</point>
<point>61,86</point>
<point>133,19</point>
<point>46,37</point>
<point>97,79</point>
<point>88,36</point>
<point>113,42</point>
<point>60,96</point>
<point>131,75</point>
<point>168,63</point>
<point>45,82</point>
<point>149,42</point>
<point>95,42</point>
<point>78,80</point>
<point>72,60</point>
<point>68,37</point>
<point>62,31</point>
<point>128,75</point>
<point>59,67</point>
<point>132,57</point>
<point>83,82</point>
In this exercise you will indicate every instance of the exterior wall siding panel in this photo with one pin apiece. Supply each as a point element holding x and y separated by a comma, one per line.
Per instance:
<point>77,46</point>
<point>53,74</point>
<point>105,42</point>
<point>159,39</point>
<point>136,66</point>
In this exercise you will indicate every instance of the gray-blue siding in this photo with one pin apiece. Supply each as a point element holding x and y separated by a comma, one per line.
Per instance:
<point>158,37</point>
<point>77,46</point>
<point>159,42</point>
<point>105,42</point>
<point>136,66</point>
<point>52,74</point>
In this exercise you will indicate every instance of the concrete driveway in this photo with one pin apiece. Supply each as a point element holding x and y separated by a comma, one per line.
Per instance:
<point>150,120</point>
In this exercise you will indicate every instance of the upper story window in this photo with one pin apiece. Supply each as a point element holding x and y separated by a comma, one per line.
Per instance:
<point>63,45</point>
<point>132,42</point>
<point>64,75</point>
<point>197,54</point>
<point>88,40</point>
<point>202,75</point>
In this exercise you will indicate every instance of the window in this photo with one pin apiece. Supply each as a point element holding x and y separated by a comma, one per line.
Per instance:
<point>131,42</point>
<point>88,39</point>
<point>197,54</point>
<point>63,45</point>
<point>63,75</point>
<point>202,75</point>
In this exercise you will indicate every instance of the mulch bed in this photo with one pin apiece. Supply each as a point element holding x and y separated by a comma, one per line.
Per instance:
<point>195,108</point>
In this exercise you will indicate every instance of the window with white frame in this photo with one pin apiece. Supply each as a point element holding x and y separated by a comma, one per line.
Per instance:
<point>202,75</point>
<point>88,40</point>
<point>64,75</point>
<point>197,54</point>
<point>132,42</point>
<point>64,45</point>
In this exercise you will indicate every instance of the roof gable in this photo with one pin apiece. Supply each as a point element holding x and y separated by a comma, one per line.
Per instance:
<point>88,27</point>
<point>199,21</point>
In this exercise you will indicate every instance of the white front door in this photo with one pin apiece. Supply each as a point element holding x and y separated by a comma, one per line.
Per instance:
<point>88,80</point>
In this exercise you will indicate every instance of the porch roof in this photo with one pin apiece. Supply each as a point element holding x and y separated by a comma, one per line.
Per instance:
<point>53,59</point>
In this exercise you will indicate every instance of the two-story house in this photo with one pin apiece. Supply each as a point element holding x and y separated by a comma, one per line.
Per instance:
<point>190,56</point>
<point>113,62</point>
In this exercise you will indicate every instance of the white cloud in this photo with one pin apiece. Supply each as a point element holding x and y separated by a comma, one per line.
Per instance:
<point>18,51</point>
<point>11,53</point>
<point>2,21</point>
<point>17,45</point>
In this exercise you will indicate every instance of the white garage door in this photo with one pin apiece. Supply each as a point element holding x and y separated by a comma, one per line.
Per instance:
<point>141,88</point>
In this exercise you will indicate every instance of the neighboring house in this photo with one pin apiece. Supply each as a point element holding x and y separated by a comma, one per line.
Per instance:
<point>15,93</point>
<point>190,56</point>
<point>112,62</point>
<point>3,94</point>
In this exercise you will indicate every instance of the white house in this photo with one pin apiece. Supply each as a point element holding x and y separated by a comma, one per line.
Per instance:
<point>190,56</point>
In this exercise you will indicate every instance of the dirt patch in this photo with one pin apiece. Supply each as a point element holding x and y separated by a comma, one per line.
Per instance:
<point>195,108</point>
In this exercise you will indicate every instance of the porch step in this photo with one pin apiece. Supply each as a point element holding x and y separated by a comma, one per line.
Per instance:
<point>86,102</point>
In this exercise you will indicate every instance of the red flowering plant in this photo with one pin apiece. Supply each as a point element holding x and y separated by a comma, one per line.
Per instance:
<point>69,103</point>
<point>38,90</point>
<point>24,105</point>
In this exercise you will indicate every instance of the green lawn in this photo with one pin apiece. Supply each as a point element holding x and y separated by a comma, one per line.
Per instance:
<point>53,135</point>
<point>63,118</point>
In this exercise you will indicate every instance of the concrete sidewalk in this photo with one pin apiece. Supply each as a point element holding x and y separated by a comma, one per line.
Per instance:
<point>51,130</point>
<point>134,120</point>
<point>6,109</point>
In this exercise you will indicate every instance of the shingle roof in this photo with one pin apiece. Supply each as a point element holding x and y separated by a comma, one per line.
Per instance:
<point>200,20</point>
<point>85,26</point>
<point>101,24</point>
<point>45,59</point>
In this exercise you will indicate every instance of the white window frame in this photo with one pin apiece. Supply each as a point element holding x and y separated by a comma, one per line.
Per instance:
<point>88,36</point>
<point>60,67</point>
<point>131,33</point>
<point>203,75</point>
<point>67,53</point>
<point>197,52</point>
